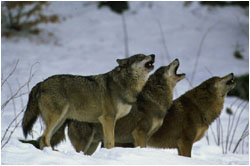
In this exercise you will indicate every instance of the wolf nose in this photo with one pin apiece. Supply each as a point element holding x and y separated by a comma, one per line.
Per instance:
<point>153,56</point>
<point>232,74</point>
<point>177,60</point>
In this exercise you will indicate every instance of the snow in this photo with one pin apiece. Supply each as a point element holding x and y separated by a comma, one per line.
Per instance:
<point>88,41</point>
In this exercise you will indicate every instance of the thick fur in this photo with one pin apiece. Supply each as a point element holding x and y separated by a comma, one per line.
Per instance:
<point>191,114</point>
<point>143,120</point>
<point>32,110</point>
<point>101,98</point>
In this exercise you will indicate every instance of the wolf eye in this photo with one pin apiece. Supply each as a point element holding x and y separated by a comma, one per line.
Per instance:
<point>141,57</point>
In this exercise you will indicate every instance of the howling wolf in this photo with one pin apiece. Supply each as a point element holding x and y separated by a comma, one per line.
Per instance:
<point>191,114</point>
<point>100,98</point>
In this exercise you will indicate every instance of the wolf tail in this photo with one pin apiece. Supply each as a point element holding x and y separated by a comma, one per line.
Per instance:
<point>35,143</point>
<point>32,110</point>
<point>57,138</point>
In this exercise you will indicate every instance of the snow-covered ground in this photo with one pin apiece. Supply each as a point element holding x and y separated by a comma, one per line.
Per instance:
<point>88,41</point>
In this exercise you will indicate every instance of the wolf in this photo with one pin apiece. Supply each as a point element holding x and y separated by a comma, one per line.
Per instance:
<point>100,98</point>
<point>145,117</point>
<point>191,114</point>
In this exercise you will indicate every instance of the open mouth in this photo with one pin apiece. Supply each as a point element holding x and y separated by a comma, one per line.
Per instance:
<point>175,70</point>
<point>150,64</point>
<point>231,82</point>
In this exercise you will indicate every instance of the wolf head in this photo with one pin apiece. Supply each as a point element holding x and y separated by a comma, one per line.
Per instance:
<point>224,84</point>
<point>220,86</point>
<point>139,63</point>
<point>169,75</point>
<point>132,74</point>
<point>138,67</point>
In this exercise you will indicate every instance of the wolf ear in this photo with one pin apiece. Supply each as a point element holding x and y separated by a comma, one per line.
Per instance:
<point>122,62</point>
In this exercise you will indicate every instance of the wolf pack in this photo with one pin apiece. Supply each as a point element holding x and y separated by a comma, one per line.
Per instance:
<point>125,107</point>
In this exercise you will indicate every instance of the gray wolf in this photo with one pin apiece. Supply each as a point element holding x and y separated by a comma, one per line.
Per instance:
<point>191,114</point>
<point>100,98</point>
<point>144,119</point>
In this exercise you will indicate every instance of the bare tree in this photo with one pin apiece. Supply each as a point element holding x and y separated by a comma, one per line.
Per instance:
<point>15,122</point>
<point>24,16</point>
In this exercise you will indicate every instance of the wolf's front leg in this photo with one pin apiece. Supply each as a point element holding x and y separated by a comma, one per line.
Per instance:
<point>108,126</point>
<point>140,138</point>
<point>184,147</point>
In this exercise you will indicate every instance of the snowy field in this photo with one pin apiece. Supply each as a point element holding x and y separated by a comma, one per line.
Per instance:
<point>88,41</point>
